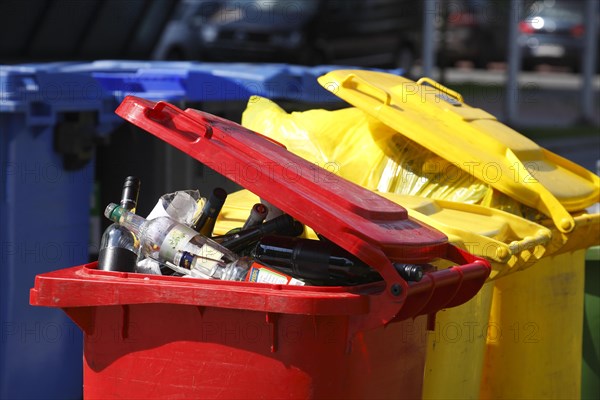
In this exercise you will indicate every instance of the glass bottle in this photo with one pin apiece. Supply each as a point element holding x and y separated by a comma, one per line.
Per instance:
<point>322,262</point>
<point>314,260</point>
<point>212,207</point>
<point>243,269</point>
<point>258,213</point>
<point>282,225</point>
<point>169,241</point>
<point>118,246</point>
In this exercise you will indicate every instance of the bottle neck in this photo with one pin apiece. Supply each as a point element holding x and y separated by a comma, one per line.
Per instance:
<point>210,212</point>
<point>128,219</point>
<point>130,193</point>
<point>282,225</point>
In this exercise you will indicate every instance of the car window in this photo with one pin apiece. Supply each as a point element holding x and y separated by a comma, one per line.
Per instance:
<point>565,12</point>
<point>252,10</point>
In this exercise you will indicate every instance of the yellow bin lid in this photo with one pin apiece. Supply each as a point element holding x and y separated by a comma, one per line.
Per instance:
<point>438,119</point>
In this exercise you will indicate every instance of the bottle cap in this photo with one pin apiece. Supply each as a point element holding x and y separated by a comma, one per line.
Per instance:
<point>113,212</point>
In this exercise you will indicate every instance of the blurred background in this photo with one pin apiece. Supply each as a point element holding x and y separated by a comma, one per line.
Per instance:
<point>541,78</point>
<point>384,33</point>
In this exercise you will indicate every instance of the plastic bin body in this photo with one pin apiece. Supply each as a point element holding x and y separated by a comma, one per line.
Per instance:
<point>527,332</point>
<point>456,349</point>
<point>300,349</point>
<point>178,351</point>
<point>157,336</point>
<point>35,193</point>
<point>590,367</point>
<point>39,188</point>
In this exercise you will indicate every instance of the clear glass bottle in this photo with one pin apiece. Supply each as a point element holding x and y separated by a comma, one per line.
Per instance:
<point>243,269</point>
<point>118,246</point>
<point>233,271</point>
<point>169,241</point>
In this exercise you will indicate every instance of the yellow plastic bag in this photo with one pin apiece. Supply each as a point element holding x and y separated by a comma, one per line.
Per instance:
<point>363,150</point>
<point>327,138</point>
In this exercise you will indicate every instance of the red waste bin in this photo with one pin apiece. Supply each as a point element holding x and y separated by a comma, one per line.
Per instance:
<point>148,336</point>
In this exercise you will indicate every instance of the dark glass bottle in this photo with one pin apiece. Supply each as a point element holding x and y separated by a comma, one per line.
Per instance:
<point>257,216</point>
<point>119,247</point>
<point>321,262</point>
<point>210,212</point>
<point>316,261</point>
<point>282,225</point>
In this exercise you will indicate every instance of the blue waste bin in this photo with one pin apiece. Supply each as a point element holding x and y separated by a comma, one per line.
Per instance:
<point>51,117</point>
<point>48,123</point>
<point>195,81</point>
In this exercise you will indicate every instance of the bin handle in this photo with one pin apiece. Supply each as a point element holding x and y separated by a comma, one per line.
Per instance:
<point>162,109</point>
<point>550,205</point>
<point>540,238</point>
<point>381,94</point>
<point>441,88</point>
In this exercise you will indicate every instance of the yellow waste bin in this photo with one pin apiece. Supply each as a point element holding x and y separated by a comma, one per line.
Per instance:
<point>460,333</point>
<point>421,138</point>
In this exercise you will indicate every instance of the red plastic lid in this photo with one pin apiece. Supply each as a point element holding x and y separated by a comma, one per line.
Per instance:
<point>356,219</point>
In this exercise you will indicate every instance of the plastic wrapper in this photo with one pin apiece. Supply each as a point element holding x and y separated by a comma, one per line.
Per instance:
<point>148,266</point>
<point>183,206</point>
<point>360,148</point>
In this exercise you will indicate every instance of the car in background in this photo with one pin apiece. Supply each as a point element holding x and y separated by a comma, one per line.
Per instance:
<point>373,33</point>
<point>472,31</point>
<point>552,32</point>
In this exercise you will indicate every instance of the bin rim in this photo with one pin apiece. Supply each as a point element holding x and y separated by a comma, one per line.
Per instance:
<point>367,306</point>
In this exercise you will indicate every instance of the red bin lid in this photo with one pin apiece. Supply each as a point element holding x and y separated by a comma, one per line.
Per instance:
<point>360,221</point>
